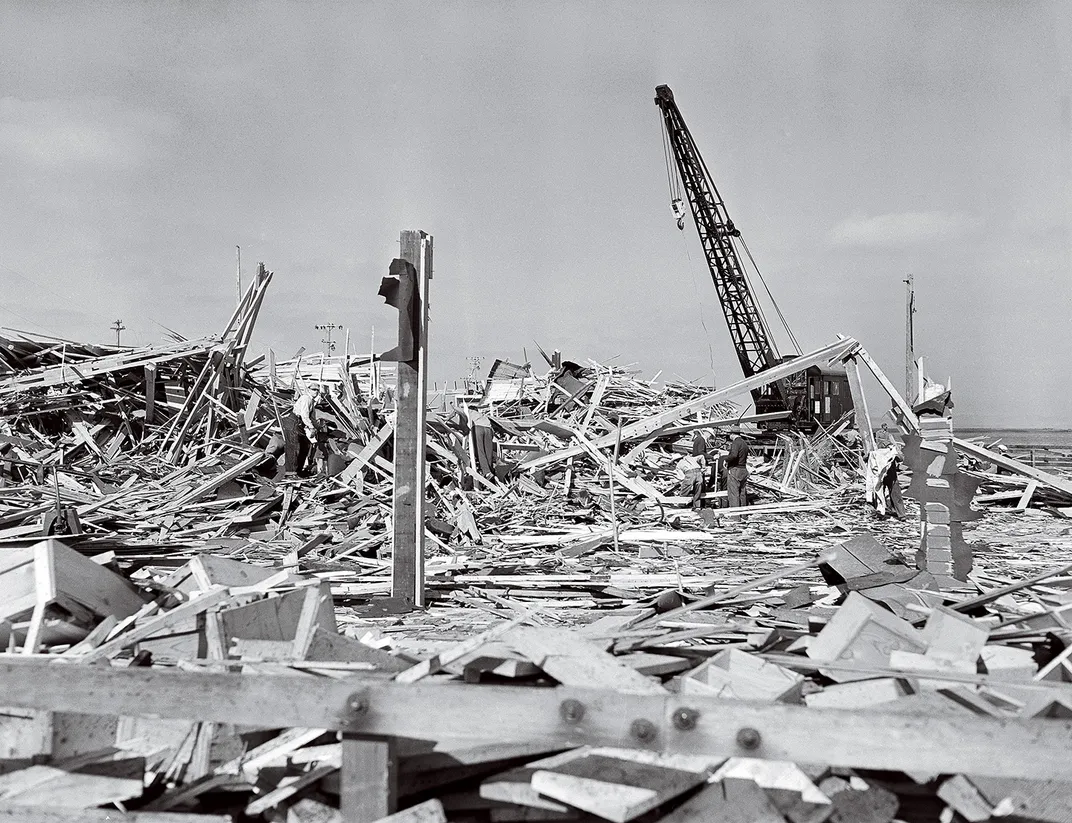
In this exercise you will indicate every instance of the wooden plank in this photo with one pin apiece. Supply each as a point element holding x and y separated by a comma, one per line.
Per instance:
<point>908,417</point>
<point>240,468</point>
<point>737,675</point>
<point>180,613</point>
<point>365,455</point>
<point>95,367</point>
<point>287,790</point>
<point>270,752</point>
<point>150,392</point>
<point>458,651</point>
<point>56,787</point>
<point>368,788</point>
<point>727,802</point>
<point>574,661</point>
<point>1053,481</point>
<point>613,788</point>
<point>430,811</point>
<point>859,403</point>
<point>1025,498</point>
<point>863,633</point>
<point>873,739</point>
<point>52,814</point>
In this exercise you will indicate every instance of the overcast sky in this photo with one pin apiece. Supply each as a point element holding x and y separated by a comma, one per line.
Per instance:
<point>853,142</point>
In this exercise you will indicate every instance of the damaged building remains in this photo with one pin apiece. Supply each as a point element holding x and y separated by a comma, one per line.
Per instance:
<point>534,602</point>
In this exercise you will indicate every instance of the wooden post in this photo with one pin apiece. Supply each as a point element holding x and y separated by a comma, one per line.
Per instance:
<point>910,336</point>
<point>150,391</point>
<point>367,779</point>
<point>407,579</point>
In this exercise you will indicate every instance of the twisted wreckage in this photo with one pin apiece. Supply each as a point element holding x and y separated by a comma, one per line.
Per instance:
<point>190,637</point>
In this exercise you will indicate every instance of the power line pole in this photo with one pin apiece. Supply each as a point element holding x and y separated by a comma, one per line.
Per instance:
<point>910,336</point>
<point>118,327</point>
<point>329,345</point>
<point>239,273</point>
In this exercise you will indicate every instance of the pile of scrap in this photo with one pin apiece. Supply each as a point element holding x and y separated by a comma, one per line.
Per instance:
<point>1004,480</point>
<point>210,614</point>
<point>870,635</point>
<point>183,457</point>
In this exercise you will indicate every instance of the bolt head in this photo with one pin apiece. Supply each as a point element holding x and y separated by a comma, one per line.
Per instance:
<point>572,711</point>
<point>684,719</point>
<point>643,730</point>
<point>749,738</point>
<point>357,704</point>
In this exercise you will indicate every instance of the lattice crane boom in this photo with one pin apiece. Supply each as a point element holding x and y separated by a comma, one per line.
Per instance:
<point>752,339</point>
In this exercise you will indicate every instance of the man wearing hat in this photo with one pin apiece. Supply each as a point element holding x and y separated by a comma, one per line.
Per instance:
<point>737,470</point>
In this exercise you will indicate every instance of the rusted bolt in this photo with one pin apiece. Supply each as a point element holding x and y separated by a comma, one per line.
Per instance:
<point>748,738</point>
<point>357,704</point>
<point>685,719</point>
<point>572,711</point>
<point>643,730</point>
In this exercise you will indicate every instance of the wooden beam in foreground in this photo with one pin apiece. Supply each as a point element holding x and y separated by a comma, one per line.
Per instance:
<point>687,724</point>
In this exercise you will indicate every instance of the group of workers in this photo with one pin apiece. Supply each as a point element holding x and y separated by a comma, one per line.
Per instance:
<point>710,467</point>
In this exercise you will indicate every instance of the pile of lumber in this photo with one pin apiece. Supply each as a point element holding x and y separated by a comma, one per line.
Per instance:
<point>147,530</point>
<point>864,634</point>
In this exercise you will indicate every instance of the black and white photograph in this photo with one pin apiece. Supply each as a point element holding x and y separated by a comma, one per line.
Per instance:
<point>489,411</point>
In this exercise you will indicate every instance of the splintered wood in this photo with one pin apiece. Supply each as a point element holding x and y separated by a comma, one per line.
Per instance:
<point>571,589</point>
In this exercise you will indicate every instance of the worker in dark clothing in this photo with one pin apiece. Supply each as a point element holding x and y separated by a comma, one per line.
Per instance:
<point>737,471</point>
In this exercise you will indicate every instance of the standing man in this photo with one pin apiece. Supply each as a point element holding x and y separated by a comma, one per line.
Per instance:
<point>737,471</point>
<point>299,432</point>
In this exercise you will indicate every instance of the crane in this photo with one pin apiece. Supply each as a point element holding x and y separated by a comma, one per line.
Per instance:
<point>809,398</point>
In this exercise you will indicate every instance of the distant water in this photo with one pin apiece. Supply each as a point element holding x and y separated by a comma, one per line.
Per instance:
<point>1020,437</point>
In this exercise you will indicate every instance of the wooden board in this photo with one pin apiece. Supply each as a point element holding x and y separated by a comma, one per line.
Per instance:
<point>737,675</point>
<point>574,661</point>
<point>874,739</point>
<point>863,633</point>
<point>612,788</point>
<point>1053,481</point>
<point>275,618</point>
<point>53,814</point>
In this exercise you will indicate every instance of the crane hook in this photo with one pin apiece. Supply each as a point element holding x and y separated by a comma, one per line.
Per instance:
<point>678,208</point>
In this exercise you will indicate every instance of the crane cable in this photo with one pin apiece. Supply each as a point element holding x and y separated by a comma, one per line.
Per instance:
<point>673,179</point>
<point>699,304</point>
<point>766,288</point>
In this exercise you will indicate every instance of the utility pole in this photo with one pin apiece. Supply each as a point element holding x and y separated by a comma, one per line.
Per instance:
<point>414,271</point>
<point>910,336</point>
<point>118,327</point>
<point>239,273</point>
<point>329,345</point>
<point>374,367</point>
<point>471,382</point>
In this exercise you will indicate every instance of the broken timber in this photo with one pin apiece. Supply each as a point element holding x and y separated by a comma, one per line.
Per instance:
<point>712,726</point>
<point>655,423</point>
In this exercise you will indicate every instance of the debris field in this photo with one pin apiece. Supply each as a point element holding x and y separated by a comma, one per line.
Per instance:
<point>148,528</point>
